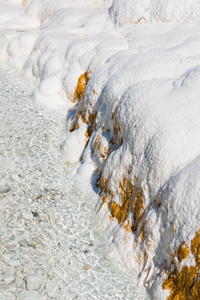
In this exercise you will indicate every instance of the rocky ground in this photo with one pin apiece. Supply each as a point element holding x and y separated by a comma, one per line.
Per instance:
<point>51,243</point>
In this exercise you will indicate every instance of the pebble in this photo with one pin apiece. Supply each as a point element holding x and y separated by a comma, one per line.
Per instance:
<point>6,190</point>
<point>35,213</point>
<point>33,281</point>
<point>23,243</point>
<point>86,267</point>
<point>26,295</point>
<point>27,215</point>
<point>5,257</point>
<point>14,262</point>
<point>2,266</point>
<point>51,288</point>
<point>19,282</point>
<point>9,279</point>
<point>37,227</point>
<point>35,242</point>
<point>9,296</point>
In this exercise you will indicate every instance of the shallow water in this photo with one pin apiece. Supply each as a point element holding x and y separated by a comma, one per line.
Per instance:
<point>47,226</point>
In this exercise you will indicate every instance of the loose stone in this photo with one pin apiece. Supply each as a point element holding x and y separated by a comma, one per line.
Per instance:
<point>35,213</point>
<point>33,281</point>
<point>27,215</point>
<point>14,263</point>
<point>23,243</point>
<point>86,267</point>
<point>6,190</point>
<point>5,257</point>
<point>19,282</point>
<point>35,242</point>
<point>9,279</point>
<point>30,296</point>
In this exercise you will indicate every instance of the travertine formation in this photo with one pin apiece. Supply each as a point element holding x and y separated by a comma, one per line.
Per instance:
<point>52,246</point>
<point>128,73</point>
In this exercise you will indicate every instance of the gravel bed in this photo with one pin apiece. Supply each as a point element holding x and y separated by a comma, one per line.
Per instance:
<point>51,243</point>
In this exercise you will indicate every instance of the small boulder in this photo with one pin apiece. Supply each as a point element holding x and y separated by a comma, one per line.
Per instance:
<point>33,281</point>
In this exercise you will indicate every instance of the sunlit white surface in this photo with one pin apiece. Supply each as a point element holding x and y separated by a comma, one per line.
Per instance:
<point>48,227</point>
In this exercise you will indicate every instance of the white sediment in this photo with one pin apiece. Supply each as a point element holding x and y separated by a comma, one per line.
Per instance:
<point>143,95</point>
<point>52,245</point>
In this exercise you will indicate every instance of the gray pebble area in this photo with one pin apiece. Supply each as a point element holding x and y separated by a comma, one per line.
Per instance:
<point>51,243</point>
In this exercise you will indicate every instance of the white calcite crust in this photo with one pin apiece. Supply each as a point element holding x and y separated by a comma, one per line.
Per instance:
<point>134,11</point>
<point>138,119</point>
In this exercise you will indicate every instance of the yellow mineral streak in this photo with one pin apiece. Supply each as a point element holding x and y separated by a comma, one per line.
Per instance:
<point>97,140</point>
<point>131,200</point>
<point>127,226</point>
<point>195,248</point>
<point>105,152</point>
<point>104,200</point>
<point>91,119</point>
<point>183,251</point>
<point>141,235</point>
<point>137,206</point>
<point>149,245</point>
<point>185,284</point>
<point>139,258</point>
<point>81,85</point>
<point>86,135</point>
<point>99,146</point>
<point>83,117</point>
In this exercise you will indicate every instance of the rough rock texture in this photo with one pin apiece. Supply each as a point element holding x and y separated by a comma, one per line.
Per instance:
<point>134,11</point>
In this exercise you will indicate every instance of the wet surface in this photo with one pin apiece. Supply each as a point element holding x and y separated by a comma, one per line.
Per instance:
<point>52,246</point>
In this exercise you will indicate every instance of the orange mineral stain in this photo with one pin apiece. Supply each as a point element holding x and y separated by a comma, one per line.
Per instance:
<point>81,85</point>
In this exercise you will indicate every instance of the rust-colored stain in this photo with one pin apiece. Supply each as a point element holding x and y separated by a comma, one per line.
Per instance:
<point>140,258</point>
<point>23,1</point>
<point>132,200</point>
<point>127,226</point>
<point>182,284</point>
<point>99,146</point>
<point>141,235</point>
<point>185,284</point>
<point>83,117</point>
<point>86,135</point>
<point>104,200</point>
<point>116,130</point>
<point>149,245</point>
<point>97,140</point>
<point>126,238</point>
<point>183,251</point>
<point>91,121</point>
<point>105,152</point>
<point>75,125</point>
<point>91,124</point>
<point>195,248</point>
<point>34,48</point>
<point>81,85</point>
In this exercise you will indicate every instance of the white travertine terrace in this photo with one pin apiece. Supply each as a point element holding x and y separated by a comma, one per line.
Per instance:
<point>129,74</point>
